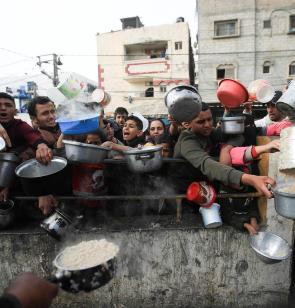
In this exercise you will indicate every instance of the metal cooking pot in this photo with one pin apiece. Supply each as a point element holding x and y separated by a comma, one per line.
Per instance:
<point>147,159</point>
<point>269,247</point>
<point>85,279</point>
<point>233,125</point>
<point>57,224</point>
<point>38,179</point>
<point>8,163</point>
<point>285,200</point>
<point>183,103</point>
<point>286,103</point>
<point>6,213</point>
<point>85,153</point>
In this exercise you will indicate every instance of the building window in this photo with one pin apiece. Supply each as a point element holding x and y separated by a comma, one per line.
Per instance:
<point>267,24</point>
<point>292,69</point>
<point>226,28</point>
<point>163,89</point>
<point>178,45</point>
<point>225,71</point>
<point>292,23</point>
<point>149,92</point>
<point>266,67</point>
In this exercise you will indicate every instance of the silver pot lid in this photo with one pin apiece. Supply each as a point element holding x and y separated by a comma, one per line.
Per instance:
<point>143,150</point>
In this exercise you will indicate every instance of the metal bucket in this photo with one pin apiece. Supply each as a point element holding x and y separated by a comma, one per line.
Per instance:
<point>233,125</point>
<point>211,216</point>
<point>6,213</point>
<point>285,200</point>
<point>8,163</point>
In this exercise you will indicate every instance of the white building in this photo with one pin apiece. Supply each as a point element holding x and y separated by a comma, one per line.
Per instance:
<point>245,40</point>
<point>138,64</point>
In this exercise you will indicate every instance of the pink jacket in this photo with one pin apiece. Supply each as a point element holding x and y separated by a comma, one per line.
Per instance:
<point>275,128</point>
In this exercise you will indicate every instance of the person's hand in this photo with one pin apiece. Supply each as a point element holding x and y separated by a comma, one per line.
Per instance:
<point>107,144</point>
<point>46,204</point>
<point>252,227</point>
<point>4,135</point>
<point>59,143</point>
<point>43,154</point>
<point>273,145</point>
<point>260,183</point>
<point>4,192</point>
<point>172,121</point>
<point>32,291</point>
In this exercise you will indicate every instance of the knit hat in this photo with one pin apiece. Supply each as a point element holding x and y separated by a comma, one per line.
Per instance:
<point>184,103</point>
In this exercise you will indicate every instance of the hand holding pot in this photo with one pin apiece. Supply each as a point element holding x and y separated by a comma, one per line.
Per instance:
<point>46,204</point>
<point>32,291</point>
<point>259,183</point>
<point>5,136</point>
<point>44,154</point>
<point>252,227</point>
<point>4,194</point>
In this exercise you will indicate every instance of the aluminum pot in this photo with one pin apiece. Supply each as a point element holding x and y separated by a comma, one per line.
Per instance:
<point>8,163</point>
<point>285,200</point>
<point>85,153</point>
<point>269,247</point>
<point>147,159</point>
<point>57,224</point>
<point>86,280</point>
<point>286,103</point>
<point>211,216</point>
<point>6,213</point>
<point>233,125</point>
<point>38,179</point>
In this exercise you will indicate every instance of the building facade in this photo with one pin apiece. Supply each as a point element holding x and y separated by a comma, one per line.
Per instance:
<point>245,40</point>
<point>138,65</point>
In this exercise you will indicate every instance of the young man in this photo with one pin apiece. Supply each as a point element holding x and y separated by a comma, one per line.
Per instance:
<point>43,114</point>
<point>194,145</point>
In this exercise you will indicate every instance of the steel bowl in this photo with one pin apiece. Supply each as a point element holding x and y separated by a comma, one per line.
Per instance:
<point>285,201</point>
<point>233,125</point>
<point>85,153</point>
<point>147,159</point>
<point>86,279</point>
<point>6,213</point>
<point>38,179</point>
<point>269,247</point>
<point>8,163</point>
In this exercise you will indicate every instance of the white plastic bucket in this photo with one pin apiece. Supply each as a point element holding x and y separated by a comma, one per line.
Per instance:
<point>211,216</point>
<point>101,97</point>
<point>71,86</point>
<point>265,93</point>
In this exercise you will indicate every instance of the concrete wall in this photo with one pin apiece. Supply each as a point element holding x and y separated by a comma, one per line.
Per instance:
<point>251,49</point>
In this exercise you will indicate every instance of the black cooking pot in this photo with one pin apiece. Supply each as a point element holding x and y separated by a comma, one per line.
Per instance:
<point>85,280</point>
<point>38,179</point>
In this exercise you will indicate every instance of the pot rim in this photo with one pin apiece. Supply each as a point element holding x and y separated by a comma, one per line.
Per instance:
<point>55,263</point>
<point>77,119</point>
<point>85,145</point>
<point>266,255</point>
<point>143,150</point>
<point>10,157</point>
<point>282,193</point>
<point>27,162</point>
<point>11,203</point>
<point>224,119</point>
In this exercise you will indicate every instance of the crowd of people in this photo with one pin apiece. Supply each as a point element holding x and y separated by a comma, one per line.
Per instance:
<point>225,160</point>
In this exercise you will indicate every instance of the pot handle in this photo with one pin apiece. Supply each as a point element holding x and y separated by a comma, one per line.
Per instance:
<point>59,277</point>
<point>145,156</point>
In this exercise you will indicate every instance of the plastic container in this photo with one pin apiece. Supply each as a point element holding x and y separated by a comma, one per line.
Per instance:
<point>211,216</point>
<point>101,97</point>
<point>260,90</point>
<point>201,193</point>
<point>82,125</point>
<point>232,93</point>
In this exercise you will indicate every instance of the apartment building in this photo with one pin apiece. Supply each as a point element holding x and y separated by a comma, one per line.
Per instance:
<point>138,65</point>
<point>245,40</point>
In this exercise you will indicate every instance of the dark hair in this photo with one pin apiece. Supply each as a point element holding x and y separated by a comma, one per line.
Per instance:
<point>120,110</point>
<point>41,100</point>
<point>136,120</point>
<point>99,132</point>
<point>157,119</point>
<point>7,96</point>
<point>205,106</point>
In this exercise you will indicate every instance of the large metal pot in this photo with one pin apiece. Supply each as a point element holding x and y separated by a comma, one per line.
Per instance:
<point>285,200</point>
<point>85,279</point>
<point>38,179</point>
<point>85,153</point>
<point>6,213</point>
<point>8,163</point>
<point>269,247</point>
<point>147,159</point>
<point>233,125</point>
<point>183,103</point>
<point>286,103</point>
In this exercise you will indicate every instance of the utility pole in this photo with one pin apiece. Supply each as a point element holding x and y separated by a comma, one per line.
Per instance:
<point>56,62</point>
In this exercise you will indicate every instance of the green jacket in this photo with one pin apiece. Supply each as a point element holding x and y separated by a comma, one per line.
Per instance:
<point>194,148</point>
